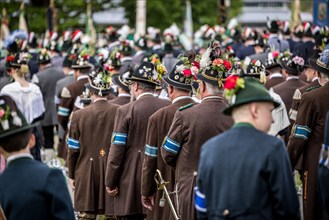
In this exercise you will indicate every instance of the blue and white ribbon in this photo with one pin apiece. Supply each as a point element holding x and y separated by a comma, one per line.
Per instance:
<point>151,151</point>
<point>324,160</point>
<point>73,144</point>
<point>63,111</point>
<point>171,146</point>
<point>302,132</point>
<point>199,200</point>
<point>119,138</point>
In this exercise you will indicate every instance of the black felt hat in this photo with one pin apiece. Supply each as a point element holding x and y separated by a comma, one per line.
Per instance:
<point>256,69</point>
<point>100,82</point>
<point>322,63</point>
<point>273,26</point>
<point>146,73</point>
<point>12,121</point>
<point>17,60</point>
<point>293,64</point>
<point>184,72</point>
<point>43,57</point>
<point>121,78</point>
<point>82,61</point>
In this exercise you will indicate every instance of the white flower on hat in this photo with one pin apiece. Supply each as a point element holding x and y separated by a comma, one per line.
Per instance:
<point>194,70</point>
<point>155,75</point>
<point>98,79</point>
<point>180,68</point>
<point>258,63</point>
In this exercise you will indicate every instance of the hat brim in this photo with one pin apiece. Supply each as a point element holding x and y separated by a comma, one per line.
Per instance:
<point>81,66</point>
<point>177,84</point>
<point>228,110</point>
<point>272,66</point>
<point>318,68</point>
<point>289,69</point>
<point>20,129</point>
<point>142,80</point>
<point>202,78</point>
<point>121,84</point>
<point>97,91</point>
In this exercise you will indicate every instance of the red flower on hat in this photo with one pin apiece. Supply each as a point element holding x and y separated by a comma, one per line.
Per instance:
<point>86,56</point>
<point>187,72</point>
<point>10,58</point>
<point>72,57</point>
<point>230,82</point>
<point>196,64</point>
<point>275,54</point>
<point>227,64</point>
<point>232,85</point>
<point>2,112</point>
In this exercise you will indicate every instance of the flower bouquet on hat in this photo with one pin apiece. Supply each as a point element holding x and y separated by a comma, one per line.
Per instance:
<point>184,72</point>
<point>293,64</point>
<point>257,70</point>
<point>214,68</point>
<point>81,61</point>
<point>100,82</point>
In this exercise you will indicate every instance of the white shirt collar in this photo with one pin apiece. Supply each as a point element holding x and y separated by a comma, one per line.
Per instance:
<point>82,77</point>
<point>291,77</point>
<point>180,98</point>
<point>144,94</point>
<point>124,95</point>
<point>17,156</point>
<point>275,75</point>
<point>315,79</point>
<point>210,97</point>
<point>99,99</point>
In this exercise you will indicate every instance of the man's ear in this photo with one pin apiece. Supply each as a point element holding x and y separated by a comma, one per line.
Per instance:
<point>253,108</point>
<point>31,142</point>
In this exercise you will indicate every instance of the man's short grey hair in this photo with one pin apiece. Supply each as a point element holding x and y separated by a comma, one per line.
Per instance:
<point>146,87</point>
<point>324,76</point>
<point>213,89</point>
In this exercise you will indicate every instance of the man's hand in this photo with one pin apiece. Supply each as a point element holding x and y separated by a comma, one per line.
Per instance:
<point>72,183</point>
<point>112,192</point>
<point>148,202</point>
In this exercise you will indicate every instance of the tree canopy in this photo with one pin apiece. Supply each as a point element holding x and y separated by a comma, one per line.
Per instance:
<point>160,13</point>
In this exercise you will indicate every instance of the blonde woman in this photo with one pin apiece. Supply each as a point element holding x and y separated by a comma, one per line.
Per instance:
<point>26,95</point>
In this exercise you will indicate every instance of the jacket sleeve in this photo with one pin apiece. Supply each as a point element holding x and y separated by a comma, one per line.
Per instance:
<point>150,159</point>
<point>60,201</point>
<point>302,128</point>
<point>172,143</point>
<point>73,143</point>
<point>281,183</point>
<point>117,150</point>
<point>65,107</point>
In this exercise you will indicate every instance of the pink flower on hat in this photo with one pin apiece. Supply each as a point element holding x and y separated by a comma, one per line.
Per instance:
<point>217,62</point>
<point>298,60</point>
<point>2,112</point>
<point>275,54</point>
<point>187,72</point>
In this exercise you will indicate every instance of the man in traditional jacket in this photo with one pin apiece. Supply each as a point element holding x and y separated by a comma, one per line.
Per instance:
<point>179,89</point>
<point>81,67</point>
<point>245,174</point>
<point>313,83</point>
<point>89,146</point>
<point>307,136</point>
<point>323,173</point>
<point>124,166</point>
<point>193,126</point>
<point>46,79</point>
<point>291,67</point>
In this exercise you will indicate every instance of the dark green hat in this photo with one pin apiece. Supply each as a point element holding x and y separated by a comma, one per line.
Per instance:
<point>12,121</point>
<point>240,91</point>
